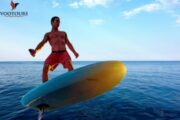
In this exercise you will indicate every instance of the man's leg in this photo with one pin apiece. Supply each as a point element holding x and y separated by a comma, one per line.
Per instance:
<point>70,66</point>
<point>45,73</point>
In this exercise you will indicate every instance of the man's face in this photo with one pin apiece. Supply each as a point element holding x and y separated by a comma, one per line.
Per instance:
<point>56,23</point>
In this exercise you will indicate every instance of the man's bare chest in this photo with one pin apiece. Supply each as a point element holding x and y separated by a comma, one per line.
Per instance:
<point>59,36</point>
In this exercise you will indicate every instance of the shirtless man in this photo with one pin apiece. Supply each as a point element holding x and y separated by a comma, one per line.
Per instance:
<point>58,41</point>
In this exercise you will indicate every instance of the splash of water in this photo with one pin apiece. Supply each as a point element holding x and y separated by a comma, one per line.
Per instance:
<point>40,114</point>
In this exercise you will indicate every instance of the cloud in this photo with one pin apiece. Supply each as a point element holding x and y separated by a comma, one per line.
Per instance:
<point>167,5</point>
<point>55,4</point>
<point>177,16</point>
<point>128,0</point>
<point>90,3</point>
<point>96,21</point>
<point>146,8</point>
<point>74,4</point>
<point>178,20</point>
<point>157,5</point>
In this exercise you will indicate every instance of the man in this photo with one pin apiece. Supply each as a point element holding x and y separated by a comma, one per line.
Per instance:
<point>58,41</point>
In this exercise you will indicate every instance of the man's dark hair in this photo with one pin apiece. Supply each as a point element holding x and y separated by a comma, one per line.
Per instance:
<point>53,18</point>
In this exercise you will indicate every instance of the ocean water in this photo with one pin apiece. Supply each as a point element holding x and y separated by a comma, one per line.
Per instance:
<point>150,90</point>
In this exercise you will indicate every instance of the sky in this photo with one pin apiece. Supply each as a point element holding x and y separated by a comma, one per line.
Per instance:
<point>98,29</point>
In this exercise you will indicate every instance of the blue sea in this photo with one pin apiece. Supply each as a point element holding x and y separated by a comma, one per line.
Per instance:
<point>149,91</point>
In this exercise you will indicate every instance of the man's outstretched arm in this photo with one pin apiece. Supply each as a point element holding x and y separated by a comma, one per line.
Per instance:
<point>71,47</point>
<point>39,46</point>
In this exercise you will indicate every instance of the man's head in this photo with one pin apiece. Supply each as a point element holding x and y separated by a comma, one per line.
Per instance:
<point>55,21</point>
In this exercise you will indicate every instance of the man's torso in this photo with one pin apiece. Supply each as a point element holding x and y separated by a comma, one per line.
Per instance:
<point>57,40</point>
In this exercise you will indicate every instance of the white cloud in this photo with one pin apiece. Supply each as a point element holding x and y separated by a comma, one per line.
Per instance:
<point>96,21</point>
<point>157,5</point>
<point>178,20</point>
<point>128,0</point>
<point>74,4</point>
<point>167,5</point>
<point>55,4</point>
<point>177,16</point>
<point>90,3</point>
<point>146,8</point>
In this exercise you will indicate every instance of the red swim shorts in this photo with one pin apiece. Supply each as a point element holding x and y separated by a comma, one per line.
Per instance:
<point>58,57</point>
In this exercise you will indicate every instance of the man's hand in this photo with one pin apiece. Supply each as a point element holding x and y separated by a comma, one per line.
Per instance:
<point>32,52</point>
<point>76,54</point>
